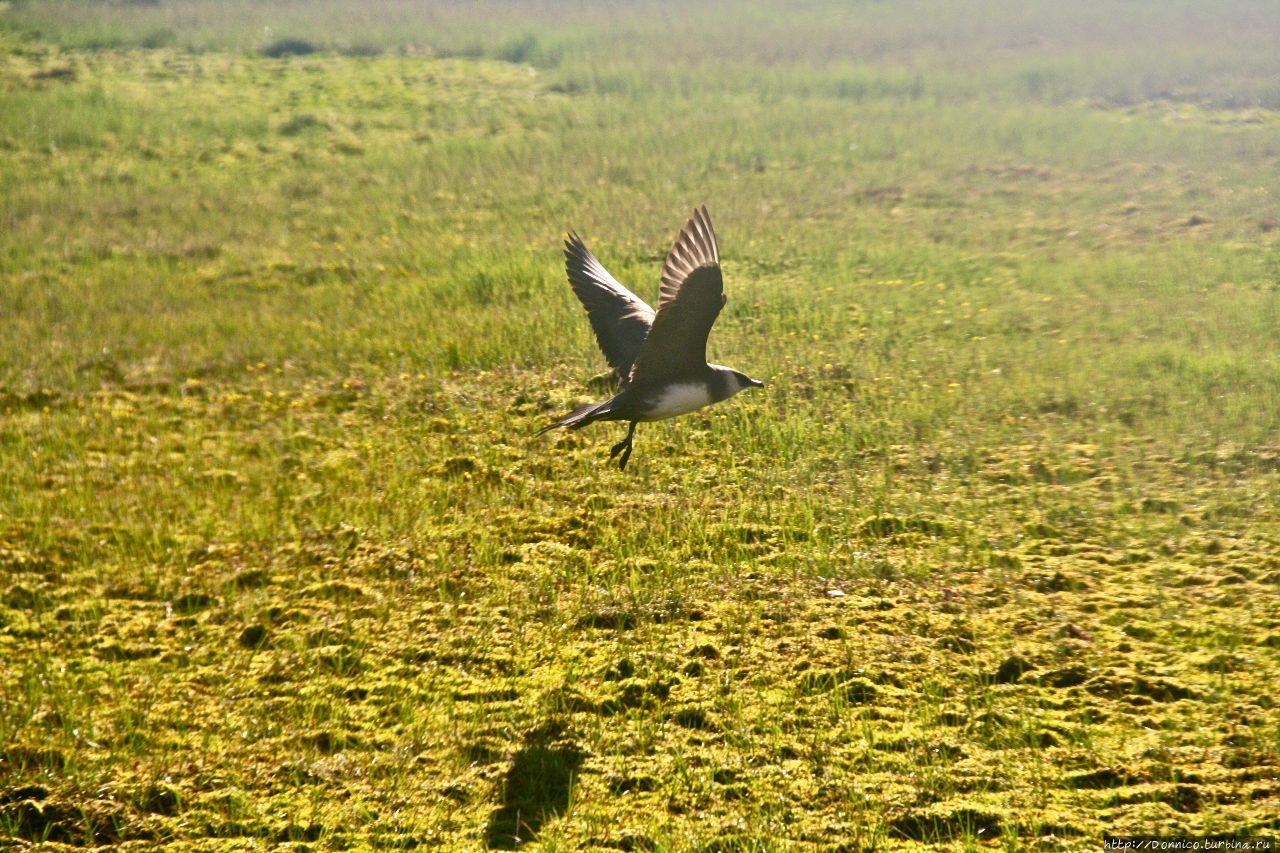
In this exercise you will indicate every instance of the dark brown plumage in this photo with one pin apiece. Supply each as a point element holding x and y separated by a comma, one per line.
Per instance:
<point>619,318</point>
<point>660,358</point>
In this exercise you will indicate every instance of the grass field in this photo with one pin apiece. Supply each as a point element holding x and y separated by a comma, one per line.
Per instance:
<point>993,561</point>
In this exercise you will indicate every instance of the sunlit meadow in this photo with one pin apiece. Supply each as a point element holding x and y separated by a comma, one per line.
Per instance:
<point>991,562</point>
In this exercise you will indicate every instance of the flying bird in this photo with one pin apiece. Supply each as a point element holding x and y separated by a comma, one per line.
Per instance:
<point>659,358</point>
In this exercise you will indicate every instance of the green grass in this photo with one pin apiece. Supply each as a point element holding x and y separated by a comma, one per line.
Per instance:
<point>991,562</point>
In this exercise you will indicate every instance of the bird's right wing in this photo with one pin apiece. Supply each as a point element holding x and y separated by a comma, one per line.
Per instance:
<point>620,319</point>
<point>692,296</point>
<point>695,248</point>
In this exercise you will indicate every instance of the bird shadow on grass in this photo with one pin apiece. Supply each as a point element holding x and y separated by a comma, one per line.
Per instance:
<point>536,789</point>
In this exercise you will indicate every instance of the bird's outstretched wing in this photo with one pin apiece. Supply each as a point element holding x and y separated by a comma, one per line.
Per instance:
<point>692,296</point>
<point>620,319</point>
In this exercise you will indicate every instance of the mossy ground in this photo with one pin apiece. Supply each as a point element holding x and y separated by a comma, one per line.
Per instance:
<point>992,562</point>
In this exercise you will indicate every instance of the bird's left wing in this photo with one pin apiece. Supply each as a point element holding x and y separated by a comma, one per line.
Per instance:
<point>620,319</point>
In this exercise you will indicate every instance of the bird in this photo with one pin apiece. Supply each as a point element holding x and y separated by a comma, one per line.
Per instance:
<point>659,358</point>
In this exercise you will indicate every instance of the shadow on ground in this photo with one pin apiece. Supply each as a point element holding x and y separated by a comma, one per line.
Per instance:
<point>536,788</point>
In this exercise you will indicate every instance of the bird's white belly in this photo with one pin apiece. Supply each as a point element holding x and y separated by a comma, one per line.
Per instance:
<point>679,400</point>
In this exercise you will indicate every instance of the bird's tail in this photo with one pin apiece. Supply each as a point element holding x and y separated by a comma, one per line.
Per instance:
<point>580,417</point>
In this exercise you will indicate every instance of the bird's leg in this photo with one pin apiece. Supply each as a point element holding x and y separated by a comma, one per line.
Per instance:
<point>626,454</point>
<point>623,447</point>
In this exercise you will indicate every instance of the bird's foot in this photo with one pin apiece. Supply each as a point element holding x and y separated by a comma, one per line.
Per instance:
<point>623,447</point>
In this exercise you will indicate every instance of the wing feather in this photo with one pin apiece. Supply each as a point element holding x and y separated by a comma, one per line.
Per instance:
<point>695,247</point>
<point>620,319</point>
<point>692,295</point>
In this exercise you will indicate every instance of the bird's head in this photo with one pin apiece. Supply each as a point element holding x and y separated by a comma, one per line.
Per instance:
<point>742,381</point>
